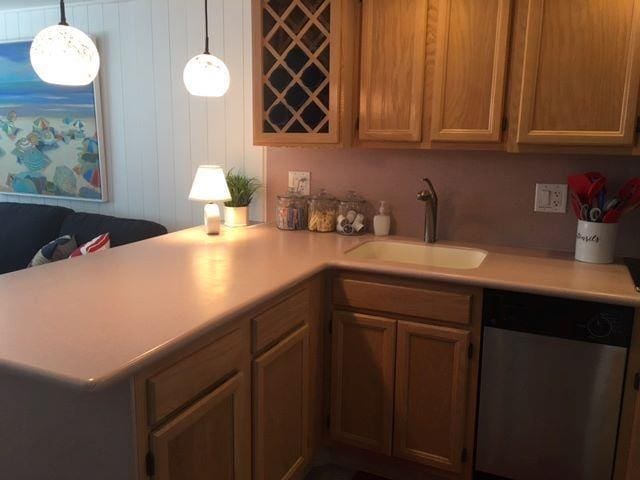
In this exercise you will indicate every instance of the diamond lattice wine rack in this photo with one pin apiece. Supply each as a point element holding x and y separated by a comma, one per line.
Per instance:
<point>296,71</point>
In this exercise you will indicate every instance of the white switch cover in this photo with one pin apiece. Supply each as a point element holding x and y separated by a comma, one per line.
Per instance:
<point>551,198</point>
<point>300,182</point>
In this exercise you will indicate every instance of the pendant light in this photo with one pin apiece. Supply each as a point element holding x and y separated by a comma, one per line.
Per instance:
<point>63,55</point>
<point>206,75</point>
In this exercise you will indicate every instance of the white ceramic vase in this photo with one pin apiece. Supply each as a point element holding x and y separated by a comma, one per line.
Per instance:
<point>596,242</point>
<point>236,216</point>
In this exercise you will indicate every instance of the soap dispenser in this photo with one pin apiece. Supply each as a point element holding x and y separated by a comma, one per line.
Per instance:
<point>382,221</point>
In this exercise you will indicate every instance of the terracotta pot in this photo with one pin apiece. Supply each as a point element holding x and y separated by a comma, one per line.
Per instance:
<point>236,216</point>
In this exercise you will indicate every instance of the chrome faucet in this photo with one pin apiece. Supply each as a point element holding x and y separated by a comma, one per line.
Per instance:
<point>429,197</point>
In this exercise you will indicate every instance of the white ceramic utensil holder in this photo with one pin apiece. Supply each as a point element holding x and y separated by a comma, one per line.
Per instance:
<point>596,242</point>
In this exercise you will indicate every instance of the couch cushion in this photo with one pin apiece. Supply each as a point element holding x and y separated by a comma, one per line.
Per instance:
<point>87,226</point>
<point>24,229</point>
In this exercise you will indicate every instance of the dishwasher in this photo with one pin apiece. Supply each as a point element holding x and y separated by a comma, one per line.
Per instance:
<point>551,382</point>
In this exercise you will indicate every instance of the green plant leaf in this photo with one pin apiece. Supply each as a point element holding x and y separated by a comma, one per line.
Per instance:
<point>242,188</point>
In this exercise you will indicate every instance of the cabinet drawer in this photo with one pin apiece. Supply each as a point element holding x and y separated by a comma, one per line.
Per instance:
<point>434,302</point>
<point>181,382</point>
<point>282,318</point>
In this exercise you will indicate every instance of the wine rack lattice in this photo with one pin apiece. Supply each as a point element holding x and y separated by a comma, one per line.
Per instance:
<point>296,63</point>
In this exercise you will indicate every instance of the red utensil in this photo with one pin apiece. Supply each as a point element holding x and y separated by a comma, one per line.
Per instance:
<point>576,205</point>
<point>629,196</point>
<point>580,185</point>
<point>597,188</point>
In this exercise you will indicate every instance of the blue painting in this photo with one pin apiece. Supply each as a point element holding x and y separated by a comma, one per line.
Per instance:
<point>50,138</point>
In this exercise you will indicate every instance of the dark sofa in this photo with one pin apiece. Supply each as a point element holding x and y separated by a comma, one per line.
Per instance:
<point>25,228</point>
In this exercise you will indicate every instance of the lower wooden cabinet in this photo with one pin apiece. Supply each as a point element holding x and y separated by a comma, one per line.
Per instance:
<point>431,394</point>
<point>404,383</point>
<point>281,408</point>
<point>204,441</point>
<point>422,418</point>
<point>362,365</point>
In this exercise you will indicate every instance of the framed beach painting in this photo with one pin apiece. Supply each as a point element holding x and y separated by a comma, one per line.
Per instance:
<point>50,136</point>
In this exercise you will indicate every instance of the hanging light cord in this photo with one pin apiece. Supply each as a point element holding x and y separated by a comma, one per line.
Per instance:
<point>63,14</point>
<point>206,26</point>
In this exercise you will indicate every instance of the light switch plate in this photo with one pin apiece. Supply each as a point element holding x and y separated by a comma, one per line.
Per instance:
<point>551,198</point>
<point>300,182</point>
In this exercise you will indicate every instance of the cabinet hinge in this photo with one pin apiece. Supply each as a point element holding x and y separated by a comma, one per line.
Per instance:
<point>638,125</point>
<point>357,123</point>
<point>470,350</point>
<point>636,381</point>
<point>150,464</point>
<point>505,124</point>
<point>463,456</point>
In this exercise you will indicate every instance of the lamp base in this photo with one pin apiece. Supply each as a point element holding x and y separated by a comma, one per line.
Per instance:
<point>212,218</point>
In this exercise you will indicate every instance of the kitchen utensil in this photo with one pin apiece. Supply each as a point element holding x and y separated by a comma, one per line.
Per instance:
<point>580,185</point>
<point>576,205</point>
<point>628,200</point>
<point>633,264</point>
<point>595,214</point>
<point>611,204</point>
<point>597,190</point>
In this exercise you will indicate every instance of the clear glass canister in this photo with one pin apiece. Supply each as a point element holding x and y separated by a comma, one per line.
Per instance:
<point>323,210</point>
<point>352,215</point>
<point>291,211</point>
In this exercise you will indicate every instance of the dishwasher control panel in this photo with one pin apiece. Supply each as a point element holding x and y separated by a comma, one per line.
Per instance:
<point>559,317</point>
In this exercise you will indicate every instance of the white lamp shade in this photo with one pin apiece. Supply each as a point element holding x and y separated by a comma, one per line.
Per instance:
<point>64,55</point>
<point>206,76</point>
<point>210,185</point>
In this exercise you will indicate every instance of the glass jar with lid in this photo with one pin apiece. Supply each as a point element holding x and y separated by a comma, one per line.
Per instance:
<point>291,211</point>
<point>323,210</point>
<point>352,215</point>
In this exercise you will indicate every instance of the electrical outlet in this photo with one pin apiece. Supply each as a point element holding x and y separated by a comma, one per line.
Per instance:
<point>300,182</point>
<point>551,198</point>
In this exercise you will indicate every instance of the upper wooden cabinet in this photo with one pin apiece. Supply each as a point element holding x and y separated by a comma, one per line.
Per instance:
<point>470,70</point>
<point>296,71</point>
<point>392,69</point>
<point>580,72</point>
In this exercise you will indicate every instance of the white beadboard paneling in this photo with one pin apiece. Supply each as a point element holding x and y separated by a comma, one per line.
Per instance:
<point>156,134</point>
<point>163,121</point>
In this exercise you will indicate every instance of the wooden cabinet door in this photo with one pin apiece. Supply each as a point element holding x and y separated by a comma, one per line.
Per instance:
<point>580,74</point>
<point>362,370</point>
<point>431,394</point>
<point>470,70</point>
<point>206,440</point>
<point>392,72</point>
<point>296,71</point>
<point>281,408</point>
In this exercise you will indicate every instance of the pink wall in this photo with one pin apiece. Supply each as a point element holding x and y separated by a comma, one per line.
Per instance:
<point>485,197</point>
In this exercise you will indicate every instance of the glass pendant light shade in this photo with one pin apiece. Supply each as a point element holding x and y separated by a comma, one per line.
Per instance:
<point>64,55</point>
<point>206,76</point>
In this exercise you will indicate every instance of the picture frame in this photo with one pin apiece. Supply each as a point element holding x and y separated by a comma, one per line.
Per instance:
<point>54,149</point>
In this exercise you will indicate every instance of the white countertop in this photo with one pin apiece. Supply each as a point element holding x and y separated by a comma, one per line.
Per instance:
<point>90,320</point>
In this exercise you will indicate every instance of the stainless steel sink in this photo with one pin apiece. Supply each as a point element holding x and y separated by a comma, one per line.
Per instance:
<point>420,254</point>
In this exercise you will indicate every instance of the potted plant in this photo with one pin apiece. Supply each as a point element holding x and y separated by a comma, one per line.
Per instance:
<point>242,189</point>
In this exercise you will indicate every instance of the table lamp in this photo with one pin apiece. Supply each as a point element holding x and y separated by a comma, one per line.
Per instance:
<point>210,185</point>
